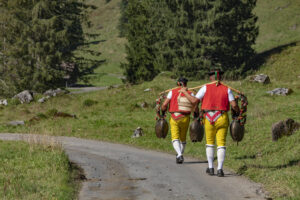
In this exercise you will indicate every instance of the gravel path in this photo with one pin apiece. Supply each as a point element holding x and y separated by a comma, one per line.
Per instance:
<point>119,172</point>
<point>78,90</point>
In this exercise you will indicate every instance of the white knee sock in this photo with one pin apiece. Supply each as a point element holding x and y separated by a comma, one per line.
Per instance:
<point>176,145</point>
<point>182,146</point>
<point>221,156</point>
<point>210,155</point>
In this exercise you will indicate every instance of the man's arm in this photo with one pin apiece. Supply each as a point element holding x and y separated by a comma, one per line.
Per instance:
<point>235,106</point>
<point>192,99</point>
<point>165,105</point>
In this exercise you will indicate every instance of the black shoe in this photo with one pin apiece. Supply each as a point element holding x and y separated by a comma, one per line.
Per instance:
<point>210,171</point>
<point>220,173</point>
<point>179,160</point>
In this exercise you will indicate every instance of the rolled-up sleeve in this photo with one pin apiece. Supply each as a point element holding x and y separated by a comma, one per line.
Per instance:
<point>169,96</point>
<point>230,95</point>
<point>201,93</point>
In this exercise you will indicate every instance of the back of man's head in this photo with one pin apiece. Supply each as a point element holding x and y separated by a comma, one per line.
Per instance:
<point>182,81</point>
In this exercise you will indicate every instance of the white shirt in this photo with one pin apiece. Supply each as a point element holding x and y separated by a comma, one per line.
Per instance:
<point>169,96</point>
<point>202,92</point>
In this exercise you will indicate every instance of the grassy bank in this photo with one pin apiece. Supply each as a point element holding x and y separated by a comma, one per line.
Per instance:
<point>278,23</point>
<point>32,171</point>
<point>112,115</point>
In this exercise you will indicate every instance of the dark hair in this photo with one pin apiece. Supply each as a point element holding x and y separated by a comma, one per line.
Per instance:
<point>182,80</point>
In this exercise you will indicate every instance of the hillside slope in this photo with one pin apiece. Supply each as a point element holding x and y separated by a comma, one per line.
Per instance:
<point>278,22</point>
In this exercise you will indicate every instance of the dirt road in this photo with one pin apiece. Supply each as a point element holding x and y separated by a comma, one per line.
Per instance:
<point>115,171</point>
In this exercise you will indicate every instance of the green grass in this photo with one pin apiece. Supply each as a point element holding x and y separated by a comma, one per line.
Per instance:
<point>105,20</point>
<point>117,114</point>
<point>278,22</point>
<point>31,171</point>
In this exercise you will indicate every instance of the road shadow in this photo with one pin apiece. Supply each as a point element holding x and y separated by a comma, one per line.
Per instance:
<point>194,162</point>
<point>76,85</point>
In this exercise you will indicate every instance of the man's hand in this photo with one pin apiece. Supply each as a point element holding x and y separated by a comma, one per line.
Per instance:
<point>183,90</point>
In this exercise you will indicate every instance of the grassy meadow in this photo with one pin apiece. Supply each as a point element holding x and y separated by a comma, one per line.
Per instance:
<point>112,115</point>
<point>35,171</point>
<point>105,21</point>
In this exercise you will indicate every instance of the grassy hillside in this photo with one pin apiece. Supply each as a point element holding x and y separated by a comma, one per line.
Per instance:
<point>278,22</point>
<point>105,20</point>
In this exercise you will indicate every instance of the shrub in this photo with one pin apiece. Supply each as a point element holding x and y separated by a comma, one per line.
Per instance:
<point>89,102</point>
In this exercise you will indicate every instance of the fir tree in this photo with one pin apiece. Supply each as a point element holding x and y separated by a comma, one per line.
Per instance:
<point>190,37</point>
<point>38,42</point>
<point>140,52</point>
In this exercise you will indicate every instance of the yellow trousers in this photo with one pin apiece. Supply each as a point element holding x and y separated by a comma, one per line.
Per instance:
<point>179,128</point>
<point>218,130</point>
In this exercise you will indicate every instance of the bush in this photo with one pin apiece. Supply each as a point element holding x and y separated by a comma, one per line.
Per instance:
<point>51,112</point>
<point>89,102</point>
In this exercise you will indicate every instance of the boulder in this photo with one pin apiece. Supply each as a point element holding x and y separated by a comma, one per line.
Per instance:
<point>144,105</point>
<point>281,91</point>
<point>293,27</point>
<point>3,102</point>
<point>42,100</point>
<point>147,90</point>
<point>25,96</point>
<point>16,123</point>
<point>284,127</point>
<point>261,78</point>
<point>137,132</point>
<point>53,93</point>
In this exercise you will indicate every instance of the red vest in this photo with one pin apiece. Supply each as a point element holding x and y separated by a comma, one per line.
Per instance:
<point>174,103</point>
<point>215,98</point>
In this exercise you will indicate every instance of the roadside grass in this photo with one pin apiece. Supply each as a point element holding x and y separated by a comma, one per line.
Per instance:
<point>115,113</point>
<point>35,171</point>
<point>278,23</point>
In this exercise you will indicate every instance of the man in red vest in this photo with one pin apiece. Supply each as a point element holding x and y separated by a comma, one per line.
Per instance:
<point>180,108</point>
<point>216,101</point>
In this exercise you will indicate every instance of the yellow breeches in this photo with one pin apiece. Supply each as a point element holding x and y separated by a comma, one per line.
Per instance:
<point>179,128</point>
<point>218,130</point>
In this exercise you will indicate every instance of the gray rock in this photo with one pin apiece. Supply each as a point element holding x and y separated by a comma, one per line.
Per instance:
<point>144,105</point>
<point>261,78</point>
<point>137,133</point>
<point>16,123</point>
<point>294,27</point>
<point>53,93</point>
<point>25,96</point>
<point>3,102</point>
<point>285,127</point>
<point>281,91</point>
<point>43,100</point>
<point>147,90</point>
